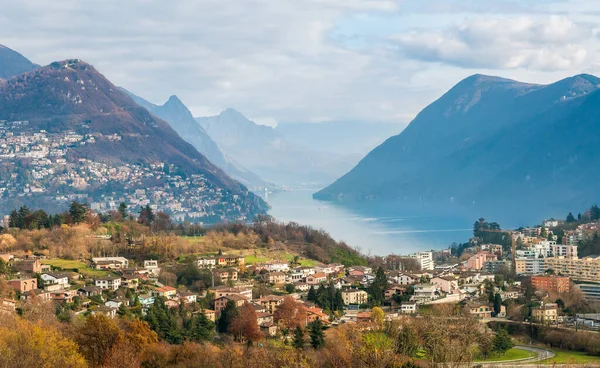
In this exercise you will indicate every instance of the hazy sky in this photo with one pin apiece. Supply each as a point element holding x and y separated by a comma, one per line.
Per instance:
<point>308,60</point>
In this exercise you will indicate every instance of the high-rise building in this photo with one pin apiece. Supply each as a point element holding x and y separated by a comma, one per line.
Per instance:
<point>425,260</point>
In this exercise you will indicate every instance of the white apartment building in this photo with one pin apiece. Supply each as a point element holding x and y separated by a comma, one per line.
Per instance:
<point>424,259</point>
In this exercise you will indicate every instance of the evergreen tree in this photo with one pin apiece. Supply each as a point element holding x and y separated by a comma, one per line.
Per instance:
<point>497,303</point>
<point>202,328</point>
<point>312,294</point>
<point>378,287</point>
<point>570,217</point>
<point>163,321</point>
<point>502,342</point>
<point>317,338</point>
<point>298,342</point>
<point>13,220</point>
<point>123,210</point>
<point>407,342</point>
<point>78,211</point>
<point>228,314</point>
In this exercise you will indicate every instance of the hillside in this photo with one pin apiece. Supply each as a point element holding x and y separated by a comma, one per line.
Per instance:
<point>269,154</point>
<point>489,141</point>
<point>181,120</point>
<point>70,133</point>
<point>12,63</point>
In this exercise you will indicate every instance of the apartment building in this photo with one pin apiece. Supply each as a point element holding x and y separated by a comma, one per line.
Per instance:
<point>425,260</point>
<point>355,297</point>
<point>558,284</point>
<point>530,266</point>
<point>579,269</point>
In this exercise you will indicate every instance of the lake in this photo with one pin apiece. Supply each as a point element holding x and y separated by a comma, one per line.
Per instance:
<point>386,228</point>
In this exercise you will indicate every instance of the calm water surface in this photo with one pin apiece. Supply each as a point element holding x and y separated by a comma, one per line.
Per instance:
<point>387,228</point>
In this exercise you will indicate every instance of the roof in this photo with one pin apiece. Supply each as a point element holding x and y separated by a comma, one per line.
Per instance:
<point>318,275</point>
<point>108,278</point>
<point>234,297</point>
<point>55,275</point>
<point>166,289</point>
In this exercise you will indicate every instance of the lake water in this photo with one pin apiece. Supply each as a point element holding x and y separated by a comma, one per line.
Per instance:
<point>386,228</point>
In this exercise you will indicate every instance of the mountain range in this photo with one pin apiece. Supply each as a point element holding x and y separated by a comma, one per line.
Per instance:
<point>69,133</point>
<point>12,63</point>
<point>490,141</point>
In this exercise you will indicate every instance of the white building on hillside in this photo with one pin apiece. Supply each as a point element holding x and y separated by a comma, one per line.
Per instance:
<point>425,260</point>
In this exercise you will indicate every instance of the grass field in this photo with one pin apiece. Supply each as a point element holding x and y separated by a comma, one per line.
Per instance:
<point>70,265</point>
<point>572,357</point>
<point>512,354</point>
<point>267,256</point>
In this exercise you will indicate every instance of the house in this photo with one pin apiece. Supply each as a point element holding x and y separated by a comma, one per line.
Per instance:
<point>110,263</point>
<point>51,278</point>
<point>107,311</point>
<point>408,308</point>
<point>306,270</point>
<point>326,269</point>
<point>271,302</point>
<point>89,290</point>
<point>445,284</point>
<point>220,291</point>
<point>221,303</point>
<point>130,281</point>
<point>151,266</point>
<point>314,313</point>
<point>226,274</point>
<point>23,285</point>
<point>206,262</point>
<point>477,261</point>
<point>167,292</point>
<point>231,261</point>
<point>38,294</point>
<point>273,267</point>
<point>394,290</point>
<point>108,283</point>
<point>316,279</point>
<point>424,293</point>
<point>301,286</point>
<point>407,279</point>
<point>114,303</point>
<point>295,277</point>
<point>547,313</point>
<point>264,317</point>
<point>363,317</point>
<point>8,306</point>
<point>355,297</point>
<point>172,303</point>
<point>63,296</point>
<point>479,310</point>
<point>31,266</point>
<point>360,271</point>
<point>146,300</point>
<point>6,257</point>
<point>274,277</point>
<point>210,314</point>
<point>269,329</point>
<point>187,297</point>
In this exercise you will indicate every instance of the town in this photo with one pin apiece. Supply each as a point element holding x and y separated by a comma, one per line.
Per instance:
<point>533,276</point>
<point>45,175</point>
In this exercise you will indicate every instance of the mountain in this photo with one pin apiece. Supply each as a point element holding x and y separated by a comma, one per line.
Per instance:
<point>269,154</point>
<point>181,120</point>
<point>489,141</point>
<point>66,133</point>
<point>12,63</point>
<point>339,137</point>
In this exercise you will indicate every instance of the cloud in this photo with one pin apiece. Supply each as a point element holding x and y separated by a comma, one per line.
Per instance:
<point>553,43</point>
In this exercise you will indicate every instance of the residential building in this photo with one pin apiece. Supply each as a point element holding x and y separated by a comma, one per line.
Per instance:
<point>271,302</point>
<point>407,279</point>
<point>316,279</point>
<point>479,310</point>
<point>221,291</point>
<point>424,293</point>
<point>445,284</point>
<point>530,266</point>
<point>360,271</point>
<point>130,281</point>
<point>585,269</point>
<point>8,306</point>
<point>23,285</point>
<point>225,274</point>
<point>151,266</point>
<point>302,286</point>
<point>274,277</point>
<point>206,262</point>
<point>89,290</point>
<point>394,290</point>
<point>477,261</point>
<point>547,313</point>
<point>63,296</point>
<point>590,291</point>
<point>425,260</point>
<point>408,308</point>
<point>497,266</point>
<point>167,292</point>
<point>314,314</point>
<point>355,297</point>
<point>493,249</point>
<point>55,279</point>
<point>188,297</point>
<point>108,282</point>
<point>567,251</point>
<point>110,312</point>
<point>31,266</point>
<point>221,303</point>
<point>559,284</point>
<point>110,263</point>
<point>273,267</point>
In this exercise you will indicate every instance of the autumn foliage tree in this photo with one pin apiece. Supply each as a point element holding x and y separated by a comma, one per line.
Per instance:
<point>290,314</point>
<point>244,326</point>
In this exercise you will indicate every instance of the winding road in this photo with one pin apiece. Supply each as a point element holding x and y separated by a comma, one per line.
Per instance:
<point>540,355</point>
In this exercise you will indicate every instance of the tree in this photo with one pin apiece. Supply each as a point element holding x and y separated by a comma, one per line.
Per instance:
<point>290,288</point>
<point>312,294</point>
<point>290,314</point>
<point>570,217</point>
<point>502,342</point>
<point>407,342</point>
<point>298,342</point>
<point>228,314</point>
<point>78,211</point>
<point>244,325</point>
<point>163,320</point>
<point>202,328</point>
<point>378,287</point>
<point>146,216</point>
<point>123,210</point>
<point>96,337</point>
<point>377,316</point>
<point>497,303</point>
<point>317,338</point>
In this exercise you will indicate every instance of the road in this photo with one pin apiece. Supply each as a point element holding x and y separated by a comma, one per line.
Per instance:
<point>541,354</point>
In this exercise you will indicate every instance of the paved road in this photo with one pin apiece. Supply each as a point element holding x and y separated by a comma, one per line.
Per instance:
<point>541,354</point>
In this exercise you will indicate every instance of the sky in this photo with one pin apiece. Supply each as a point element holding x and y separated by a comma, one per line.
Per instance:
<point>281,61</point>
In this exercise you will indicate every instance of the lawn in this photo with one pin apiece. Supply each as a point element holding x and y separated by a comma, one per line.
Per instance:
<point>70,265</point>
<point>254,259</point>
<point>572,357</point>
<point>277,256</point>
<point>512,354</point>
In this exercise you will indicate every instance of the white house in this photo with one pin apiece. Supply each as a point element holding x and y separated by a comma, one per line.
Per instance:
<point>151,266</point>
<point>274,267</point>
<point>108,283</point>
<point>206,262</point>
<point>113,304</point>
<point>55,279</point>
<point>408,308</point>
<point>110,262</point>
<point>424,293</point>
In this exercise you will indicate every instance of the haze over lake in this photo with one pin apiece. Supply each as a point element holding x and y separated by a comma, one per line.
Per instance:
<point>387,228</point>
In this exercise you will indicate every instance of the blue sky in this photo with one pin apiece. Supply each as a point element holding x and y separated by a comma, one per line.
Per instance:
<point>308,60</point>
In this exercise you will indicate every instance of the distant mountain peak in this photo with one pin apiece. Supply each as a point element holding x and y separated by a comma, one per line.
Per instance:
<point>13,63</point>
